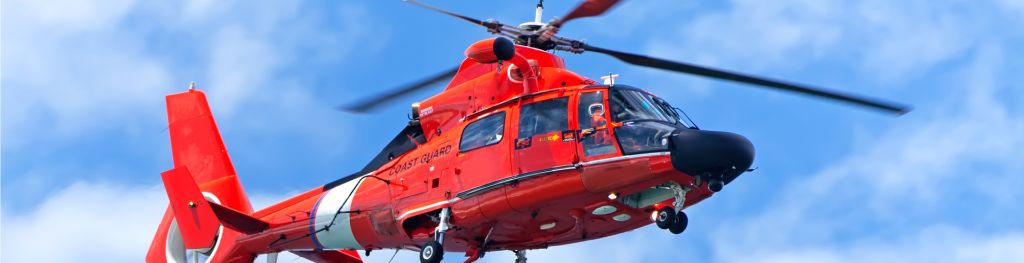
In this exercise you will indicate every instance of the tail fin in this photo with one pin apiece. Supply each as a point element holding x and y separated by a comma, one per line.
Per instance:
<point>203,175</point>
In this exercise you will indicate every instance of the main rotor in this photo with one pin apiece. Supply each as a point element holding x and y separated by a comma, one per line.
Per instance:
<point>537,34</point>
<point>543,36</point>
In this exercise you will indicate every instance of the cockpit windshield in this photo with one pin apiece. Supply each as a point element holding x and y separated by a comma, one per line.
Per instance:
<point>628,105</point>
<point>645,121</point>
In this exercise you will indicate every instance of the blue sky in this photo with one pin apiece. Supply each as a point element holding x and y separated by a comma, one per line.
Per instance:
<point>83,119</point>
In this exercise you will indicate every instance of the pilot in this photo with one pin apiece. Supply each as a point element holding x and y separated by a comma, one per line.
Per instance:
<point>620,113</point>
<point>599,123</point>
<point>627,134</point>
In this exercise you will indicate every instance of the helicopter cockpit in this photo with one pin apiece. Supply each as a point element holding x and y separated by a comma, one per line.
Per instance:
<point>641,122</point>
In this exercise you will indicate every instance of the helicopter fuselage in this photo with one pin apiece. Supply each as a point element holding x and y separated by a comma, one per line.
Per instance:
<point>508,186</point>
<point>502,159</point>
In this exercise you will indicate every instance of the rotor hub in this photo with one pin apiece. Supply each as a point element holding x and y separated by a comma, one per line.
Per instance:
<point>530,33</point>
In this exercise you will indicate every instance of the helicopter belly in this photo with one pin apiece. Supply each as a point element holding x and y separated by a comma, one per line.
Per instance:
<point>573,205</point>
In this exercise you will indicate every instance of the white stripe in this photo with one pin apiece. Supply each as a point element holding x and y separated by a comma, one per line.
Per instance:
<point>340,235</point>
<point>624,157</point>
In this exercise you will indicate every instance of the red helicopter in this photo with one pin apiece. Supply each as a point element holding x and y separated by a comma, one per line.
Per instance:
<point>517,153</point>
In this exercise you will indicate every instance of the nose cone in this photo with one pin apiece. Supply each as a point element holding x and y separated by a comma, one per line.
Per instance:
<point>696,152</point>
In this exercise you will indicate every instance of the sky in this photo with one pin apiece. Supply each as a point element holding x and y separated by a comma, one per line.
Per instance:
<point>83,128</point>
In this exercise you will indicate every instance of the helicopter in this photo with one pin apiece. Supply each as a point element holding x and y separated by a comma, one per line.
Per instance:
<point>517,153</point>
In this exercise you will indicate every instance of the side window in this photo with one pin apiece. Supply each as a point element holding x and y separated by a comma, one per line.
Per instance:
<point>483,132</point>
<point>544,117</point>
<point>594,119</point>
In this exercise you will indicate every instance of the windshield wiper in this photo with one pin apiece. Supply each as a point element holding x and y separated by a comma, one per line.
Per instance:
<point>690,121</point>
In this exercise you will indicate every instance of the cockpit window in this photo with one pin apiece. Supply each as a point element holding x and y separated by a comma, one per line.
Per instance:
<point>632,105</point>
<point>644,122</point>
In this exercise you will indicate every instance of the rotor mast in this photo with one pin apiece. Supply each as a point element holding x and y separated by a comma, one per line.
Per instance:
<point>540,11</point>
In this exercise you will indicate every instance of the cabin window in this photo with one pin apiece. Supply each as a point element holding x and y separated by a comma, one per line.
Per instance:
<point>544,117</point>
<point>483,132</point>
<point>593,119</point>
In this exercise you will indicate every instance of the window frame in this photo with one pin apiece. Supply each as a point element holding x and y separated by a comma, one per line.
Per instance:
<point>504,127</point>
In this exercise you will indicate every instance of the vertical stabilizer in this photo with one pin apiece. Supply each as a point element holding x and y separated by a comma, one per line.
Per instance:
<point>200,161</point>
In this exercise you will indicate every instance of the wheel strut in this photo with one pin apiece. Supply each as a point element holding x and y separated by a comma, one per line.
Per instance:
<point>680,196</point>
<point>442,226</point>
<point>433,251</point>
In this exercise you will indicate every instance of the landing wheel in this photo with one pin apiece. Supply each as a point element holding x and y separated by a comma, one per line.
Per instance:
<point>432,252</point>
<point>679,225</point>
<point>666,215</point>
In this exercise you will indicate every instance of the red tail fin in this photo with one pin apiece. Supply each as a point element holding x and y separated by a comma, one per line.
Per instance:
<point>195,140</point>
<point>198,153</point>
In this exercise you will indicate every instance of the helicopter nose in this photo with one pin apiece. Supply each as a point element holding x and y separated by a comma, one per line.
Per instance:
<point>720,156</point>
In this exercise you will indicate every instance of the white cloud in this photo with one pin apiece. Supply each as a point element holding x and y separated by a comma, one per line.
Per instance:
<point>111,221</point>
<point>114,222</point>
<point>932,244</point>
<point>891,39</point>
<point>74,14</point>
<point>86,220</point>
<point>891,199</point>
<point>239,65</point>
<point>1013,5</point>
<point>98,73</point>
<point>64,72</point>
<point>766,31</point>
<point>76,68</point>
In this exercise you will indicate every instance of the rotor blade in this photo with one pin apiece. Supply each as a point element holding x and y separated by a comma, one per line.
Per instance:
<point>439,10</point>
<point>369,104</point>
<point>646,61</point>
<point>587,8</point>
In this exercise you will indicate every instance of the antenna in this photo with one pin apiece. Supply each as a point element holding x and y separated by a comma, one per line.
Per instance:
<point>609,79</point>
<point>540,10</point>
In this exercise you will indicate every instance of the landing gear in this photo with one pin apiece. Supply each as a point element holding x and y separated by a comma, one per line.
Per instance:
<point>668,218</point>
<point>433,251</point>
<point>673,218</point>
<point>520,256</point>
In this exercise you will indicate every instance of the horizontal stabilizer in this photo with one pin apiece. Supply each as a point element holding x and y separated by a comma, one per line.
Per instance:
<point>195,217</point>
<point>238,221</point>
